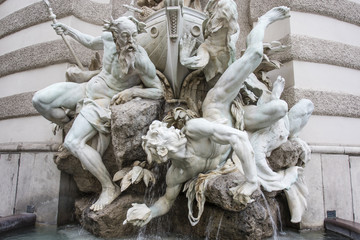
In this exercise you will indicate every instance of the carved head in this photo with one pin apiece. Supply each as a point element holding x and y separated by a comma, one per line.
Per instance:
<point>161,140</point>
<point>221,14</point>
<point>125,31</point>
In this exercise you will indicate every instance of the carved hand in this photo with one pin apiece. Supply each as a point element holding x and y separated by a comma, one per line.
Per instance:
<point>60,28</point>
<point>187,45</point>
<point>139,215</point>
<point>122,97</point>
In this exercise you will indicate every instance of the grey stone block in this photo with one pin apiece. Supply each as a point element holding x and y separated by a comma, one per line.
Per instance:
<point>8,172</point>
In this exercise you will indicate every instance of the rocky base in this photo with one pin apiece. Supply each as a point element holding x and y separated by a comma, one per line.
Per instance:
<point>222,218</point>
<point>253,222</point>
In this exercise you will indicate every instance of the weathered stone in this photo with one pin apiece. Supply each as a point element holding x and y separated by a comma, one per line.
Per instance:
<point>218,193</point>
<point>285,156</point>
<point>129,122</point>
<point>216,223</point>
<point>109,221</point>
<point>251,223</point>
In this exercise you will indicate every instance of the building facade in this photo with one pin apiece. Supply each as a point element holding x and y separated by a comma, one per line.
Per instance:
<point>323,65</point>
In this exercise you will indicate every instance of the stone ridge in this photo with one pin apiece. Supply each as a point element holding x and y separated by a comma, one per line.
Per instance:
<point>18,105</point>
<point>326,103</point>
<point>342,10</point>
<point>29,147</point>
<point>41,55</point>
<point>38,13</point>
<point>317,50</point>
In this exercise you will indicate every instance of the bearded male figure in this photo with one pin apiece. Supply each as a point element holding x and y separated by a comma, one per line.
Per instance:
<point>206,143</point>
<point>125,67</point>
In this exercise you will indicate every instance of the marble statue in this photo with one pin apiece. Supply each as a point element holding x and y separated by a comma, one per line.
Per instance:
<point>126,73</point>
<point>277,127</point>
<point>158,4</point>
<point>218,51</point>
<point>205,143</point>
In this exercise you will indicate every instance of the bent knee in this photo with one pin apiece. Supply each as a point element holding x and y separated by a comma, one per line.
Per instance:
<point>71,143</point>
<point>282,108</point>
<point>36,101</point>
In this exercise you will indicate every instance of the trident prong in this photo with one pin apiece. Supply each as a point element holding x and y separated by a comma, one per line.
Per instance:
<point>53,17</point>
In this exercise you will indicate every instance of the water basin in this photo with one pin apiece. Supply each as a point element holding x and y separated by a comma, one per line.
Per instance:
<point>78,233</point>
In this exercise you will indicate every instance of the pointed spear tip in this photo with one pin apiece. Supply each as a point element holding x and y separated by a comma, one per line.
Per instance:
<point>47,3</point>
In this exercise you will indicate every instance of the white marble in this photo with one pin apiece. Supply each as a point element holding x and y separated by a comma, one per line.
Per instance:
<point>125,66</point>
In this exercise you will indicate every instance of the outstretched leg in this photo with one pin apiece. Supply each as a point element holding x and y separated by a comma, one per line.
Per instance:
<point>52,101</point>
<point>265,115</point>
<point>229,84</point>
<point>75,142</point>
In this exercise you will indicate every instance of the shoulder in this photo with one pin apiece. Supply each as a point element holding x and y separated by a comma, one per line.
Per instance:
<point>143,62</point>
<point>107,36</point>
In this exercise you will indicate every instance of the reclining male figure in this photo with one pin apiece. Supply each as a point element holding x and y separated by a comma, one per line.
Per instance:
<point>126,65</point>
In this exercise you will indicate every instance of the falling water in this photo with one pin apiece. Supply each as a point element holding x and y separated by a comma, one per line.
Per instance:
<point>281,231</point>
<point>152,193</point>
<point>275,237</point>
<point>218,230</point>
<point>208,227</point>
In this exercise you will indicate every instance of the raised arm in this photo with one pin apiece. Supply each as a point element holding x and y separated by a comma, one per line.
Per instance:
<point>200,60</point>
<point>94,43</point>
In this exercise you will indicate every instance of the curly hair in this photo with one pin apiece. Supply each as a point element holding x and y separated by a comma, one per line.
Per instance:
<point>159,137</point>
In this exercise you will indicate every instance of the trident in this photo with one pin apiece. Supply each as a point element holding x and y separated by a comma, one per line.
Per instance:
<point>53,17</point>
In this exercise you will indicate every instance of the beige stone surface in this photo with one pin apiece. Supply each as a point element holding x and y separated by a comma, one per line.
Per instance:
<point>30,129</point>
<point>8,178</point>
<point>38,186</point>
<point>311,49</point>
<point>38,13</point>
<point>315,25</point>
<point>37,56</point>
<point>326,130</point>
<point>18,105</point>
<point>326,103</point>
<point>314,215</point>
<point>9,7</point>
<point>43,32</point>
<point>343,10</point>
<point>325,77</point>
<point>32,80</point>
<point>355,180</point>
<point>337,185</point>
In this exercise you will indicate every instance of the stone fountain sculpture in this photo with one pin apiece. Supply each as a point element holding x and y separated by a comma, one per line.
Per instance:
<point>125,66</point>
<point>222,129</point>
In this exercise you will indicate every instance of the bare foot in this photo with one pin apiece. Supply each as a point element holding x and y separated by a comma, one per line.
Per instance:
<point>243,191</point>
<point>275,14</point>
<point>278,88</point>
<point>106,197</point>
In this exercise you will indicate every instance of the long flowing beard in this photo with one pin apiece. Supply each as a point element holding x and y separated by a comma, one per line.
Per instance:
<point>127,59</point>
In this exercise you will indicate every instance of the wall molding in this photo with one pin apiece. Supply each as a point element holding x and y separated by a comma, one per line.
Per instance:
<point>42,55</point>
<point>326,103</point>
<point>86,10</point>
<point>344,150</point>
<point>18,105</point>
<point>310,49</point>
<point>342,10</point>
<point>29,147</point>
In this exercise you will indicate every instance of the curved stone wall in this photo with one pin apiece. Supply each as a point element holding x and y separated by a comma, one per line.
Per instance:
<point>322,65</point>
